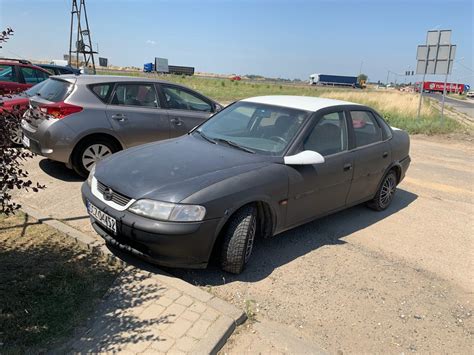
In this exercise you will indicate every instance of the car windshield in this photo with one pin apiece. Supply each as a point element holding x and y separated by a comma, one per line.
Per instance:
<point>254,127</point>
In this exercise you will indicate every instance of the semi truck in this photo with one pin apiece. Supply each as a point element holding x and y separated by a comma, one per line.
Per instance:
<point>438,86</point>
<point>333,80</point>
<point>173,69</point>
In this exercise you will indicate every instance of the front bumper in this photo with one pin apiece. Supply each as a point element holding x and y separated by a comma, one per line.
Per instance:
<point>173,244</point>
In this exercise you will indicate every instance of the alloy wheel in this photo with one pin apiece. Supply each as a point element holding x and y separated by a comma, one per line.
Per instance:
<point>388,190</point>
<point>93,154</point>
<point>16,136</point>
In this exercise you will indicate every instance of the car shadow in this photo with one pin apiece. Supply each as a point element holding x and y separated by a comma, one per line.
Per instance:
<point>59,170</point>
<point>271,253</point>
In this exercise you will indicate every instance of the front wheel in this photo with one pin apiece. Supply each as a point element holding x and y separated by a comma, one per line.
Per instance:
<point>385,193</point>
<point>238,240</point>
<point>89,152</point>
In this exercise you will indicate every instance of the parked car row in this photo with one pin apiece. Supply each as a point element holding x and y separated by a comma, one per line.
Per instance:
<point>173,186</point>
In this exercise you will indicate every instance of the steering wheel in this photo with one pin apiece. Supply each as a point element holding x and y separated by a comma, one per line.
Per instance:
<point>278,139</point>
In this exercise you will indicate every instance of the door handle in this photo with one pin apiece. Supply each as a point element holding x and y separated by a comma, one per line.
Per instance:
<point>347,167</point>
<point>385,154</point>
<point>176,121</point>
<point>119,117</point>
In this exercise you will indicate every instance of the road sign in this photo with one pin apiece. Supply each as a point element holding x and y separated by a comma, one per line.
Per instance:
<point>103,61</point>
<point>161,65</point>
<point>436,57</point>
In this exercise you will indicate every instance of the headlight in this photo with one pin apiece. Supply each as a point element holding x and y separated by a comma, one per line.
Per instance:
<point>166,211</point>
<point>91,175</point>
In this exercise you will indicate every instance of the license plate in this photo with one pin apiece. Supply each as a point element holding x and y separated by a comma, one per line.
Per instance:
<point>101,217</point>
<point>26,141</point>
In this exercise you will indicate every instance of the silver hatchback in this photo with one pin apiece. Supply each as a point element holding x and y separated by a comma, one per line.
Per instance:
<point>79,120</point>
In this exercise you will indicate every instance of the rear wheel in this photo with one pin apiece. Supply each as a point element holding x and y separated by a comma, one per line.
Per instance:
<point>89,152</point>
<point>385,193</point>
<point>238,240</point>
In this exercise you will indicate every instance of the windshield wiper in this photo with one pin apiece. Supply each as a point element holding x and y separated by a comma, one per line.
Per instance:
<point>206,137</point>
<point>235,145</point>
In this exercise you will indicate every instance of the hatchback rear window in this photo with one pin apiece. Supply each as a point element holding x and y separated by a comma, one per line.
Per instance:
<point>55,90</point>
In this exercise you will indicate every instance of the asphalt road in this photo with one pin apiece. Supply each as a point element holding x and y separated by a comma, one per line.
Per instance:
<point>357,281</point>
<point>464,106</point>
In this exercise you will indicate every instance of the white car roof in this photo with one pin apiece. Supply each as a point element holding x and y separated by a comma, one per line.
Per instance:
<point>306,103</point>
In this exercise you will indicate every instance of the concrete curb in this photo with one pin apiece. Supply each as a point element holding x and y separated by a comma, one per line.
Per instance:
<point>231,315</point>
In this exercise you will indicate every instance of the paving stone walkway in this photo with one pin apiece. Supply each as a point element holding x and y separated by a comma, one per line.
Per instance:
<point>142,313</point>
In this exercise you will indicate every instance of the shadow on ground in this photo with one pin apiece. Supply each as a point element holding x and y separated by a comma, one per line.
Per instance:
<point>59,170</point>
<point>269,254</point>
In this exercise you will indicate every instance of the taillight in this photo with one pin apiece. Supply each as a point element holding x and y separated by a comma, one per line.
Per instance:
<point>60,109</point>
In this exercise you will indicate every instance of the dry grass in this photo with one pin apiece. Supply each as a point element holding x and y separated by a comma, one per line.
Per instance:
<point>48,285</point>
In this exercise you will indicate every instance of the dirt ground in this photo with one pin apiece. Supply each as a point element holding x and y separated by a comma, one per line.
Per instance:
<point>365,281</point>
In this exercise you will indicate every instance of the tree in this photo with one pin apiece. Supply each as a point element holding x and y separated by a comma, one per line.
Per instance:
<point>12,174</point>
<point>362,77</point>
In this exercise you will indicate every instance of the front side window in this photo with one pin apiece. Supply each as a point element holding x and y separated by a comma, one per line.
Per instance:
<point>329,136</point>
<point>366,128</point>
<point>7,73</point>
<point>180,99</point>
<point>263,129</point>
<point>143,95</point>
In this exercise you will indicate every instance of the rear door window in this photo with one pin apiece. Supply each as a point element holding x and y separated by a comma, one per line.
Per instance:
<point>7,73</point>
<point>180,99</point>
<point>55,90</point>
<point>366,128</point>
<point>143,95</point>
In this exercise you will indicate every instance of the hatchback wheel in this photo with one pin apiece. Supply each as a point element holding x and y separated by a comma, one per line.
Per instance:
<point>238,241</point>
<point>385,194</point>
<point>89,152</point>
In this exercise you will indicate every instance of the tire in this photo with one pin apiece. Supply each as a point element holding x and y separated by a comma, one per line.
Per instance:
<point>89,151</point>
<point>385,193</point>
<point>239,236</point>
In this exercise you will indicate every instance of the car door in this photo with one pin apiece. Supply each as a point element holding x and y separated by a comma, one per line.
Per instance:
<point>372,155</point>
<point>135,114</point>
<point>315,190</point>
<point>186,109</point>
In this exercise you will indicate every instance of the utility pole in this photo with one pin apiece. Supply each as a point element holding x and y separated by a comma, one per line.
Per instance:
<point>83,46</point>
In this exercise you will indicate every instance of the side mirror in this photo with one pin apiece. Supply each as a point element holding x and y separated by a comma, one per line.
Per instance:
<point>306,157</point>
<point>218,108</point>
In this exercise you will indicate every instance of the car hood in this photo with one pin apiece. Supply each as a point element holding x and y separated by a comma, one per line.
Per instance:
<point>174,169</point>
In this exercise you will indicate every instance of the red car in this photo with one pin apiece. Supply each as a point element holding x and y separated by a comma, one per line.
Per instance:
<point>17,75</point>
<point>20,103</point>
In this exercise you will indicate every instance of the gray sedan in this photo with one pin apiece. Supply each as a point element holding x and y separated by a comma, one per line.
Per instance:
<point>79,120</point>
<point>259,167</point>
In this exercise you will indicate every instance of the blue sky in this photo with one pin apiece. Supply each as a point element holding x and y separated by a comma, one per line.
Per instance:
<point>289,39</point>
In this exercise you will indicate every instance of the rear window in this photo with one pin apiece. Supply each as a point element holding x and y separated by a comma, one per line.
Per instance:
<point>55,90</point>
<point>102,91</point>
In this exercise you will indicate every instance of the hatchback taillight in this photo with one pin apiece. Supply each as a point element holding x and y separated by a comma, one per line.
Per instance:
<point>60,109</point>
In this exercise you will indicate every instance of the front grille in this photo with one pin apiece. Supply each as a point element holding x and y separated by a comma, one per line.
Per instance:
<point>119,199</point>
